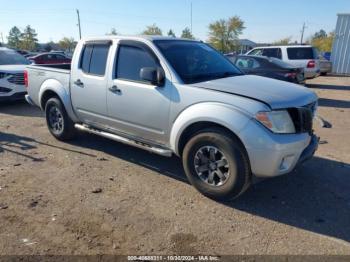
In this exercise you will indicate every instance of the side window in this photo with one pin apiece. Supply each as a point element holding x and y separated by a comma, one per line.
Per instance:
<point>242,63</point>
<point>60,57</point>
<point>94,59</point>
<point>257,52</point>
<point>130,61</point>
<point>99,60</point>
<point>247,63</point>
<point>44,57</point>
<point>85,58</point>
<point>273,52</point>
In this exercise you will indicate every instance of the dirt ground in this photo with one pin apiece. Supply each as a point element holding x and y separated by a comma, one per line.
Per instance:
<point>94,196</point>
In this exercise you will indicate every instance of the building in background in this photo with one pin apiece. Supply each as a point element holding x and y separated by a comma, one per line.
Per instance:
<point>245,45</point>
<point>341,45</point>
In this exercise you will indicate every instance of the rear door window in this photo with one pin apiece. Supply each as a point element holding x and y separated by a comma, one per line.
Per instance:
<point>85,58</point>
<point>94,59</point>
<point>301,53</point>
<point>273,52</point>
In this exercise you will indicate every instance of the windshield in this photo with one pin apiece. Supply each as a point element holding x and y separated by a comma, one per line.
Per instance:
<point>10,57</point>
<point>196,62</point>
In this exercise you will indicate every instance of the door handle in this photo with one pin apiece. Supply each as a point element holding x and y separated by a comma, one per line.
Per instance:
<point>115,89</point>
<point>79,83</point>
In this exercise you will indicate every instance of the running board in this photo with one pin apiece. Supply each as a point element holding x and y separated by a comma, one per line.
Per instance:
<point>124,140</point>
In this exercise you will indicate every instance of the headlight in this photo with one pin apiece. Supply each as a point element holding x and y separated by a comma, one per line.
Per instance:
<point>277,121</point>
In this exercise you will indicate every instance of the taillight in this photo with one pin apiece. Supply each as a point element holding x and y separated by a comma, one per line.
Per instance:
<point>311,64</point>
<point>25,78</point>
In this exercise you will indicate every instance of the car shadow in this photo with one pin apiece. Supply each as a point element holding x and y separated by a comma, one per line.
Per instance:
<point>326,102</point>
<point>20,108</point>
<point>329,87</point>
<point>19,145</point>
<point>314,197</point>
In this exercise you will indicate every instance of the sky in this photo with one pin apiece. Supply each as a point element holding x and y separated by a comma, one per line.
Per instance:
<point>265,20</point>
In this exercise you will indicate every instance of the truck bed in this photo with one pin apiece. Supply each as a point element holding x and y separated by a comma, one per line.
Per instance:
<point>42,76</point>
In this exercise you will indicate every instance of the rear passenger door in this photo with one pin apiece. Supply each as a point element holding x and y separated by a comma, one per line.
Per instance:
<point>89,83</point>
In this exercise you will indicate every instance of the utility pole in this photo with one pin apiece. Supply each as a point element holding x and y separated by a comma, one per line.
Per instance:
<point>2,38</point>
<point>79,23</point>
<point>302,33</point>
<point>191,20</point>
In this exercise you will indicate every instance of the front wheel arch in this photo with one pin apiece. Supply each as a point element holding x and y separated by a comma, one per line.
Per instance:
<point>198,127</point>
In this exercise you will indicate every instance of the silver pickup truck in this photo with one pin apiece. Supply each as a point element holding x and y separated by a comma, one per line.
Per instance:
<point>174,96</point>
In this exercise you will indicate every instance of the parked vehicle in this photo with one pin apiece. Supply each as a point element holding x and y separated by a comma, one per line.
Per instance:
<point>298,55</point>
<point>50,58</point>
<point>325,66</point>
<point>327,55</point>
<point>173,96</point>
<point>268,67</point>
<point>12,67</point>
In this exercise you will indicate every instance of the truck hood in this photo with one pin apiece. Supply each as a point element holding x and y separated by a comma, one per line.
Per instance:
<point>277,94</point>
<point>13,68</point>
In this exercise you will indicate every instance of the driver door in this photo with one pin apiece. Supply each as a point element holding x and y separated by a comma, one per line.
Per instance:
<point>135,107</point>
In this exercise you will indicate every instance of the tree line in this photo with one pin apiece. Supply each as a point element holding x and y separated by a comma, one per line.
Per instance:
<point>322,40</point>
<point>223,35</point>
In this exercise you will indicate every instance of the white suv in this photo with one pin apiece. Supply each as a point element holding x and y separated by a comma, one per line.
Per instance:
<point>299,55</point>
<point>12,67</point>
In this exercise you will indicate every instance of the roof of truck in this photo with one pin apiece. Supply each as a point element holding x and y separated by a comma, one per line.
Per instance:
<point>135,37</point>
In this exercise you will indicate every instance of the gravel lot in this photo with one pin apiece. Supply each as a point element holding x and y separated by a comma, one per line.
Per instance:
<point>94,196</point>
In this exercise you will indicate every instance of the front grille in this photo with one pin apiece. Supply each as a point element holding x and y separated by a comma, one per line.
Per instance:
<point>302,118</point>
<point>17,79</point>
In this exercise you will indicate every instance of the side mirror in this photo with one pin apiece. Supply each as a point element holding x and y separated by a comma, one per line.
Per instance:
<point>154,75</point>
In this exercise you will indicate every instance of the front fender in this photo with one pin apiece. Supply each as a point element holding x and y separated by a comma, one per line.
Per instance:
<point>218,113</point>
<point>62,92</point>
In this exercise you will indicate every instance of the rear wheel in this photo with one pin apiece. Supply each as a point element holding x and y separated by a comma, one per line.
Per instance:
<point>216,164</point>
<point>58,121</point>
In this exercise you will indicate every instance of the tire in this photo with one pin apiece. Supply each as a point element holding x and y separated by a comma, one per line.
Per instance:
<point>237,172</point>
<point>58,121</point>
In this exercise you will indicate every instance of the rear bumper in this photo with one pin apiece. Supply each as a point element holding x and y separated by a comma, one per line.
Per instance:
<point>29,100</point>
<point>312,74</point>
<point>13,97</point>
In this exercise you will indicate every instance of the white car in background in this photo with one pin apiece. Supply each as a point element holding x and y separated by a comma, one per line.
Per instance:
<point>304,56</point>
<point>12,66</point>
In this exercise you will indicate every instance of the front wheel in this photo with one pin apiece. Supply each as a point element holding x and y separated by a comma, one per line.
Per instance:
<point>216,164</point>
<point>58,121</point>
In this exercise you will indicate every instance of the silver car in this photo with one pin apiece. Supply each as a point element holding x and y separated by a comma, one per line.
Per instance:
<point>175,96</point>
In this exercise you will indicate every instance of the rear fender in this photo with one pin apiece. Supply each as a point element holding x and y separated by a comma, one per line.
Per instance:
<point>63,94</point>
